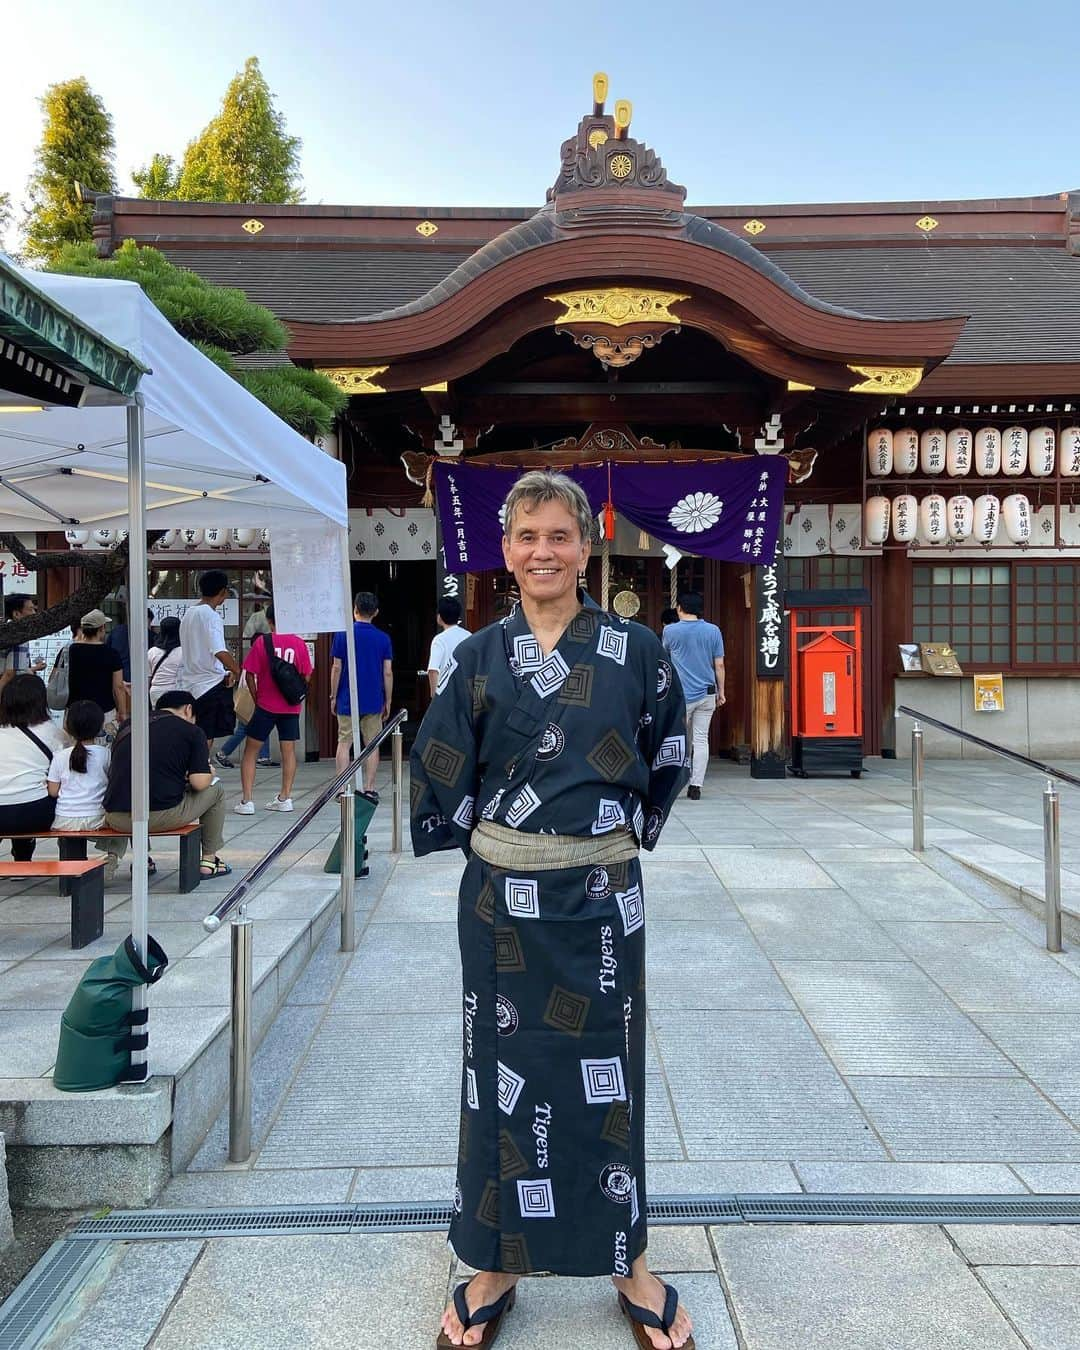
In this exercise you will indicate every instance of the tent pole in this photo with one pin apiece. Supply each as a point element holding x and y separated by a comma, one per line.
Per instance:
<point>350,645</point>
<point>140,706</point>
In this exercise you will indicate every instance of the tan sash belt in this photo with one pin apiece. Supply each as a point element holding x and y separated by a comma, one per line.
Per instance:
<point>507,849</point>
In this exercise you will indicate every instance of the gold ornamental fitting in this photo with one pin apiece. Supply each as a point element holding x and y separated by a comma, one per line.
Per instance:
<point>599,90</point>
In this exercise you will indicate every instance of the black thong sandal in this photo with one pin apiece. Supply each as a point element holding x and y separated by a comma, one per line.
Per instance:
<point>213,867</point>
<point>490,1316</point>
<point>640,1318</point>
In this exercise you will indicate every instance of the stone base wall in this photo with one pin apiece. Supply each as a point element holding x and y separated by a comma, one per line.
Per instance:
<point>1041,716</point>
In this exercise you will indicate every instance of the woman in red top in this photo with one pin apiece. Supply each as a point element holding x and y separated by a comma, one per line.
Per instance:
<point>272,710</point>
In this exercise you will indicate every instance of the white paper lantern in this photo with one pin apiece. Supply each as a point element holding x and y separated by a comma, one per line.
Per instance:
<point>1069,453</point>
<point>932,452</point>
<point>191,538</point>
<point>121,535</point>
<point>987,518</point>
<point>168,540</point>
<point>879,452</point>
<point>243,538</point>
<point>961,514</point>
<point>77,538</point>
<point>264,538</point>
<point>216,537</point>
<point>905,518</point>
<point>1042,452</point>
<point>103,538</point>
<point>1016,513</point>
<point>932,518</point>
<point>987,452</point>
<point>958,450</point>
<point>876,520</point>
<point>905,450</point>
<point>1014,452</point>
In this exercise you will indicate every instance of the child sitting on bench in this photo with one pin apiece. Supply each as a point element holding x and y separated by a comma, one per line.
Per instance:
<point>79,775</point>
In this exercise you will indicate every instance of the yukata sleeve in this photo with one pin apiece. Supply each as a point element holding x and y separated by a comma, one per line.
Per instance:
<point>662,741</point>
<point>443,767</point>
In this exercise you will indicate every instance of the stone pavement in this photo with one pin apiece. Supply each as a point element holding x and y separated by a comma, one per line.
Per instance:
<point>828,1012</point>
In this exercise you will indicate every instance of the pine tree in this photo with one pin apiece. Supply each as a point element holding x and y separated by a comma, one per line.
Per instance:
<point>243,154</point>
<point>76,151</point>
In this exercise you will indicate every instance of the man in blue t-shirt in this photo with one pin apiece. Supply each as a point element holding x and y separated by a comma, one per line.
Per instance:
<point>697,652</point>
<point>374,683</point>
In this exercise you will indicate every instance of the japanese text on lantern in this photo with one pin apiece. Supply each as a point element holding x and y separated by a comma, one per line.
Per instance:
<point>756,518</point>
<point>458,514</point>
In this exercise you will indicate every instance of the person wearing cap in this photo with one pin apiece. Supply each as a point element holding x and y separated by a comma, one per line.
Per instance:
<point>96,672</point>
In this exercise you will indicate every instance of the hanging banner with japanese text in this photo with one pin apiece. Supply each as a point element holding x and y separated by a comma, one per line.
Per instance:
<point>769,638</point>
<point>727,509</point>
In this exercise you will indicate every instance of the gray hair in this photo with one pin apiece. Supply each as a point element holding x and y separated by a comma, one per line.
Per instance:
<point>539,486</point>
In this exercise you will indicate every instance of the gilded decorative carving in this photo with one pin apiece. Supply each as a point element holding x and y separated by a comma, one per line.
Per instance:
<point>615,305</point>
<point>355,379</point>
<point>427,228</point>
<point>795,386</point>
<point>620,166</point>
<point>754,226</point>
<point>597,137</point>
<point>614,353</point>
<point>886,379</point>
<point>253,226</point>
<point>926,224</point>
<point>439,388</point>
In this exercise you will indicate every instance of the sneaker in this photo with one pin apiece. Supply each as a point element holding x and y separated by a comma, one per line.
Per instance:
<point>244,808</point>
<point>694,793</point>
<point>224,760</point>
<point>280,805</point>
<point>268,763</point>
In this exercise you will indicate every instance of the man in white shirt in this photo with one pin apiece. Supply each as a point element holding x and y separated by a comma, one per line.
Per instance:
<point>208,669</point>
<point>446,639</point>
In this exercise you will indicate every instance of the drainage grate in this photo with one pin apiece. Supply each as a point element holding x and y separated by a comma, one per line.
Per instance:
<point>131,1225</point>
<point>910,1208</point>
<point>30,1311</point>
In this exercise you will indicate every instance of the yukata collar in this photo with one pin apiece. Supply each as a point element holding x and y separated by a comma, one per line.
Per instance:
<point>517,634</point>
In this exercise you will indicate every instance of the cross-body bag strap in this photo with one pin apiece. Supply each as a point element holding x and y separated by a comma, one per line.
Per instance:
<point>153,673</point>
<point>38,742</point>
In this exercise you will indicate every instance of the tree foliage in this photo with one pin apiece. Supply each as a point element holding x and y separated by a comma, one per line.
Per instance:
<point>5,212</point>
<point>223,323</point>
<point>244,154</point>
<point>76,150</point>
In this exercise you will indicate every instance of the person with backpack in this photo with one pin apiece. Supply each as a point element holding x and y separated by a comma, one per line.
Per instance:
<point>278,669</point>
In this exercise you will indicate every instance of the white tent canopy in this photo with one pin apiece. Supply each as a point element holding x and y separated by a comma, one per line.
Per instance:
<point>192,444</point>
<point>214,454</point>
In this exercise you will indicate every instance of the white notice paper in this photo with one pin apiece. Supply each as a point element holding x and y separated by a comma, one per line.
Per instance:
<point>308,565</point>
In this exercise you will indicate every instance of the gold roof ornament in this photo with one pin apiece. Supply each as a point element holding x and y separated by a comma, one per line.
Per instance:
<point>795,386</point>
<point>253,226</point>
<point>616,305</point>
<point>440,388</point>
<point>427,228</point>
<point>886,379</point>
<point>926,224</point>
<point>754,226</point>
<point>599,92</point>
<point>355,379</point>
<point>597,137</point>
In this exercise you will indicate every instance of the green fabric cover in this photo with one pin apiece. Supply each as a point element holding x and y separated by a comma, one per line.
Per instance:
<point>363,810</point>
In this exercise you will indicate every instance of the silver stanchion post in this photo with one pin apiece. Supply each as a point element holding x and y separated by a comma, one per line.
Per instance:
<point>348,870</point>
<point>918,822</point>
<point>240,1075</point>
<point>1052,864</point>
<point>395,792</point>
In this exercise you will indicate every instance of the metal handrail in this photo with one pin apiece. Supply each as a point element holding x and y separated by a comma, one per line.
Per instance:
<point>1051,808</point>
<point>241,938</point>
<point>1003,751</point>
<point>237,894</point>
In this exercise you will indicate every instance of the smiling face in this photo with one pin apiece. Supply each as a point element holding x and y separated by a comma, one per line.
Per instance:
<point>545,551</point>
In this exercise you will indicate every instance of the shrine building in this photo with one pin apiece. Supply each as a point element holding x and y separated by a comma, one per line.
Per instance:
<point>917,365</point>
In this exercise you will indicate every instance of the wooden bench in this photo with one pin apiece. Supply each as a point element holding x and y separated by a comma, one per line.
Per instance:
<point>86,881</point>
<point>73,846</point>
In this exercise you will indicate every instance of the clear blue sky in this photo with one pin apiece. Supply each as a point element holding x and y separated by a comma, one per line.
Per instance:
<point>466,103</point>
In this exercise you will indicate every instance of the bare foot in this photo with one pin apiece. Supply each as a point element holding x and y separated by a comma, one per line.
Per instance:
<point>647,1291</point>
<point>485,1287</point>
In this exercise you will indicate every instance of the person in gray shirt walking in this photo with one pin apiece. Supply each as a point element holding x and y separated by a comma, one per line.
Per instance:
<point>696,648</point>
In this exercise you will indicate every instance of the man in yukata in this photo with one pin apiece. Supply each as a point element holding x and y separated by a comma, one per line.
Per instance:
<point>552,751</point>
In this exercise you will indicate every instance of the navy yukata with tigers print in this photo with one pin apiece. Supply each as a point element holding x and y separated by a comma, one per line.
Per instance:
<point>588,741</point>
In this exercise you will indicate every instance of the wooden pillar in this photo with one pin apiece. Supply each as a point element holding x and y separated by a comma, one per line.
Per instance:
<point>768,733</point>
